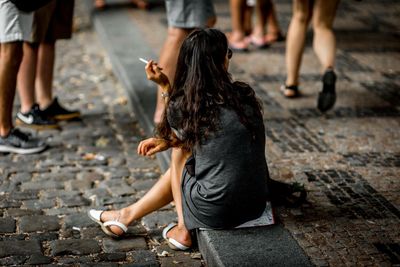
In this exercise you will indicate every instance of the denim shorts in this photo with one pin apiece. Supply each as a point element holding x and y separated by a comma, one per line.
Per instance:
<point>15,25</point>
<point>189,14</point>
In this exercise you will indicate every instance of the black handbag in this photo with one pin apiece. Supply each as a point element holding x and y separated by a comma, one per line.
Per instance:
<point>29,5</point>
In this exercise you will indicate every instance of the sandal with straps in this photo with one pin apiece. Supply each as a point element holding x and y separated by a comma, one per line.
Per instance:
<point>290,91</point>
<point>95,215</point>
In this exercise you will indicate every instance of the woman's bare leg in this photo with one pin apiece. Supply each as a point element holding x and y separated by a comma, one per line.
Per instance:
<point>157,197</point>
<point>296,37</point>
<point>262,7</point>
<point>324,42</point>
<point>167,188</point>
<point>237,36</point>
<point>273,29</point>
<point>178,160</point>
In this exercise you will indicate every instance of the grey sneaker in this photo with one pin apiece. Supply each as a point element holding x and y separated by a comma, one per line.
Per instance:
<point>21,143</point>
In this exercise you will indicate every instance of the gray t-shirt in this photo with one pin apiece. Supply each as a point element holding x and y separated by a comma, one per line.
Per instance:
<point>224,183</point>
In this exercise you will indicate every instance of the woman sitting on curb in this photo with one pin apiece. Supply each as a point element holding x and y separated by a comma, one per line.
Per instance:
<point>218,173</point>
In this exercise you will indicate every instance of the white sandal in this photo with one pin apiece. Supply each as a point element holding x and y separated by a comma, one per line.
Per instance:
<point>172,243</point>
<point>95,216</point>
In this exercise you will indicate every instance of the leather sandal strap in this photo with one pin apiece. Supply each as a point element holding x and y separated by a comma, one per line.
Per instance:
<point>116,223</point>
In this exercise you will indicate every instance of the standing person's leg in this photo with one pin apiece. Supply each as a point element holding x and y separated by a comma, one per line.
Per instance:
<point>324,44</point>
<point>30,114</point>
<point>10,59</point>
<point>183,17</point>
<point>237,38</point>
<point>26,77</point>
<point>59,27</point>
<point>15,27</point>
<point>168,58</point>
<point>274,33</point>
<point>44,74</point>
<point>295,42</point>
<point>257,36</point>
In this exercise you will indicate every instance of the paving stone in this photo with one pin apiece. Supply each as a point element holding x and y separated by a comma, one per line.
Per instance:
<point>24,248</point>
<point>39,204</point>
<point>143,258</point>
<point>74,201</point>
<point>42,185</point>
<point>159,219</point>
<point>24,195</point>
<point>39,223</point>
<point>13,212</point>
<point>78,220</point>
<point>38,259</point>
<point>114,256</point>
<point>7,225</point>
<point>143,185</point>
<point>124,245</point>
<point>46,236</point>
<point>13,260</point>
<point>74,247</point>
<point>79,185</point>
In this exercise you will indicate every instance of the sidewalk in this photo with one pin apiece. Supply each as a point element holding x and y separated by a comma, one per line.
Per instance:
<point>91,163</point>
<point>349,159</point>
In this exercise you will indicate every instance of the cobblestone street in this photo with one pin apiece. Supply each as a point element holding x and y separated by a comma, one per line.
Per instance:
<point>348,159</point>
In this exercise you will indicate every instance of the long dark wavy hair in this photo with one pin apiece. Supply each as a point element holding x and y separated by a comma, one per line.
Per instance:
<point>202,85</point>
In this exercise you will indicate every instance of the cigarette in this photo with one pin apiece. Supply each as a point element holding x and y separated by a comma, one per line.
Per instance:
<point>143,60</point>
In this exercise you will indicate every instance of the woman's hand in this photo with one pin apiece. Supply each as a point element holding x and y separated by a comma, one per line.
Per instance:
<point>154,73</point>
<point>151,146</point>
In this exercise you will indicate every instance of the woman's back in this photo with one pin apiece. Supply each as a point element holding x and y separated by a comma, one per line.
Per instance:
<point>229,182</point>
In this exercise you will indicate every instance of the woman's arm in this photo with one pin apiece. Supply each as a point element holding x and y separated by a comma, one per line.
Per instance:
<point>154,145</point>
<point>154,73</point>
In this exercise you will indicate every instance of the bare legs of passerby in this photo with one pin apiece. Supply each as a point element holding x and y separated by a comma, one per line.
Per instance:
<point>237,38</point>
<point>261,36</point>
<point>322,13</point>
<point>10,59</point>
<point>167,189</point>
<point>11,139</point>
<point>30,114</point>
<point>168,59</point>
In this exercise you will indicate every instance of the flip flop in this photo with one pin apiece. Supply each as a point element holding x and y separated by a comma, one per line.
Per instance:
<point>257,42</point>
<point>172,243</point>
<point>95,216</point>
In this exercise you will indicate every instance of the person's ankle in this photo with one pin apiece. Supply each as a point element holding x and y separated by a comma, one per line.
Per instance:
<point>5,131</point>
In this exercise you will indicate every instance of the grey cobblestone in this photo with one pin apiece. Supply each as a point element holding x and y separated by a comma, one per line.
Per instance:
<point>39,223</point>
<point>74,247</point>
<point>124,245</point>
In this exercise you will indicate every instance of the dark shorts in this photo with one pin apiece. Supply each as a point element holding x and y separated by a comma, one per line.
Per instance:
<point>53,21</point>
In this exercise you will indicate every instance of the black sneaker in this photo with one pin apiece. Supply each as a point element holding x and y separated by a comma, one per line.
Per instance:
<point>36,119</point>
<point>21,143</point>
<point>327,97</point>
<point>59,113</point>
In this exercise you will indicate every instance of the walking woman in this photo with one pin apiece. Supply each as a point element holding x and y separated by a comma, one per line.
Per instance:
<point>322,13</point>
<point>218,173</point>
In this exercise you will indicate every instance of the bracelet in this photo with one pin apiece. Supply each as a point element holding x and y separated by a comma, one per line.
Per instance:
<point>164,94</point>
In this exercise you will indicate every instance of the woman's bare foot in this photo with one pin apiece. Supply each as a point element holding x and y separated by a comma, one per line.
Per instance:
<point>116,215</point>
<point>142,4</point>
<point>99,4</point>
<point>274,37</point>
<point>182,235</point>
<point>237,42</point>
